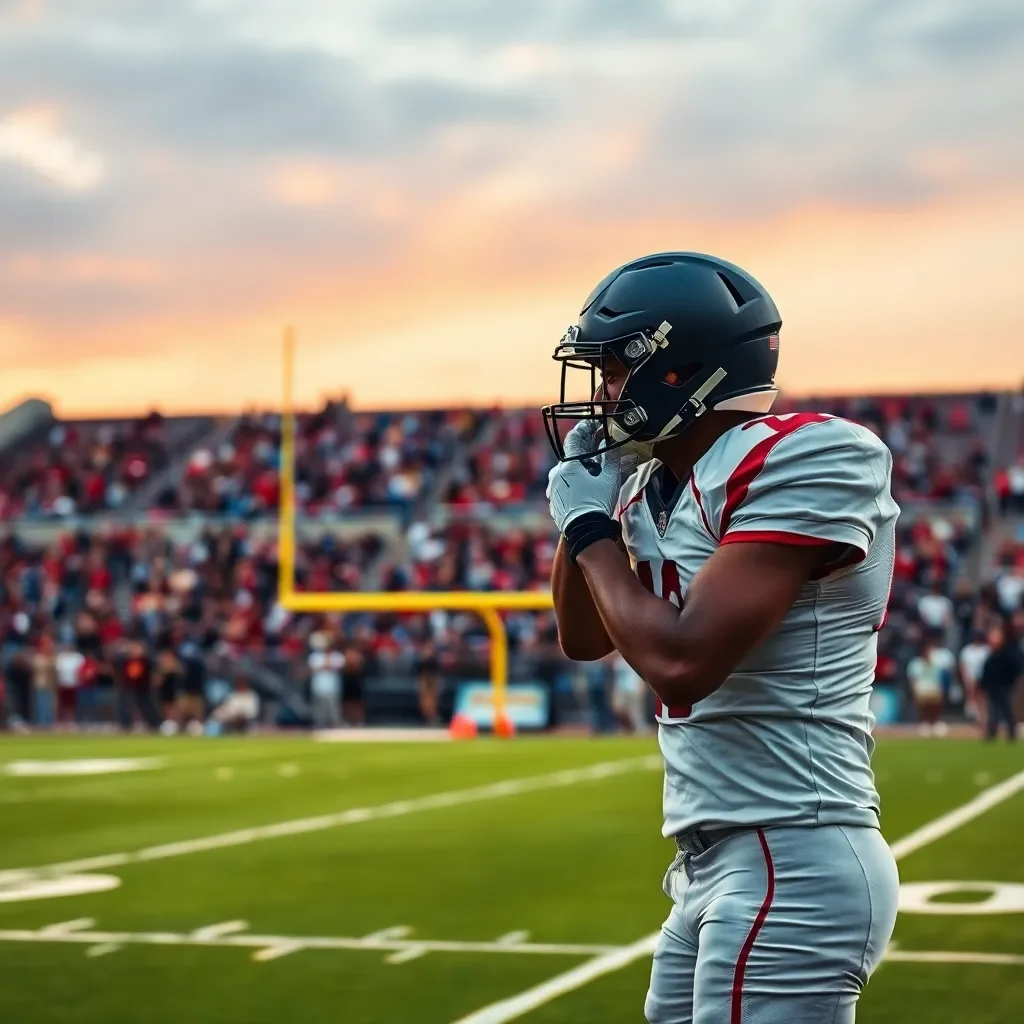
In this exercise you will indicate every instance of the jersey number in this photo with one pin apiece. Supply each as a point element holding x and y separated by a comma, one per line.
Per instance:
<point>671,591</point>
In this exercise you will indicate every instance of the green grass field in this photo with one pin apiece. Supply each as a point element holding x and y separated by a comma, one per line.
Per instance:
<point>514,854</point>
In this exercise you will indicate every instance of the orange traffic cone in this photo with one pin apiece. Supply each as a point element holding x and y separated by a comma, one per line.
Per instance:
<point>462,728</point>
<point>503,726</point>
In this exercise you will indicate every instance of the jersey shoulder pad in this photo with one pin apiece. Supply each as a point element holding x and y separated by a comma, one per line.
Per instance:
<point>805,475</point>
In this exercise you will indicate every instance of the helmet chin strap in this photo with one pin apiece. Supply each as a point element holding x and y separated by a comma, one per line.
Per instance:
<point>757,401</point>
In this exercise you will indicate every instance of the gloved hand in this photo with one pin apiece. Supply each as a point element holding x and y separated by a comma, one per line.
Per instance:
<point>592,485</point>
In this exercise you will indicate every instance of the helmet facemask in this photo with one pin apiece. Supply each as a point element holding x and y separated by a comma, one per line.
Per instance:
<point>625,422</point>
<point>622,420</point>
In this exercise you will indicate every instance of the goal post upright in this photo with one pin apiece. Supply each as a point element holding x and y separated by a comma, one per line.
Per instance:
<point>286,497</point>
<point>487,604</point>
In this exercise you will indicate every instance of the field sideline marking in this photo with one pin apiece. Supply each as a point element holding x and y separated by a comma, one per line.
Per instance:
<point>942,826</point>
<point>232,934</point>
<point>942,956</point>
<point>517,1006</point>
<point>353,816</point>
<point>269,947</point>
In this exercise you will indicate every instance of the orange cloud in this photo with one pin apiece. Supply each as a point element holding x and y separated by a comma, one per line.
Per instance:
<point>84,268</point>
<point>469,309</point>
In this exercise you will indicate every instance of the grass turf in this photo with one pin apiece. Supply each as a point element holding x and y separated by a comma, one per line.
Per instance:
<point>576,864</point>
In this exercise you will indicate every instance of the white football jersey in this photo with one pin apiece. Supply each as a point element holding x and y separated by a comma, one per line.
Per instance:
<point>786,739</point>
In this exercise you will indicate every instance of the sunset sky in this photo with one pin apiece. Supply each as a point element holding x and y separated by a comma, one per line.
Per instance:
<point>427,189</point>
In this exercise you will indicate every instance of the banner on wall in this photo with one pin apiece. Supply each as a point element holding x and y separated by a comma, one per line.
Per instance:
<point>526,704</point>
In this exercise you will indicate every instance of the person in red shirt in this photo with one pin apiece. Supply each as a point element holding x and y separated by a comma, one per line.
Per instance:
<point>135,687</point>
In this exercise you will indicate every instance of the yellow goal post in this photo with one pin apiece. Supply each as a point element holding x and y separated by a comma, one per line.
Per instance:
<point>487,605</point>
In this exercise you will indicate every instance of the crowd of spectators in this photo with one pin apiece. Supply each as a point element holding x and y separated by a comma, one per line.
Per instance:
<point>81,468</point>
<point>132,625</point>
<point>1008,483</point>
<point>126,626</point>
<point>478,458</point>
<point>941,628</point>
<point>469,554</point>
<point>508,463</point>
<point>344,460</point>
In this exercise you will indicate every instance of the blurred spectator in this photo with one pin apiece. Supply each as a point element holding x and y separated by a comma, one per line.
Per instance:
<point>964,605</point>
<point>1014,491</point>
<point>168,678</point>
<point>68,666</point>
<point>353,695</point>
<point>325,665</point>
<point>428,682</point>
<point>999,676</point>
<point>1010,582</point>
<point>18,679</point>
<point>972,662</point>
<point>926,674</point>
<point>191,703</point>
<point>44,683</point>
<point>135,697</point>
<point>935,607</point>
<point>629,697</point>
<point>238,711</point>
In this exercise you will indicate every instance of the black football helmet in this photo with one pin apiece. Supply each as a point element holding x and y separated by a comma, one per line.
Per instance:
<point>694,333</point>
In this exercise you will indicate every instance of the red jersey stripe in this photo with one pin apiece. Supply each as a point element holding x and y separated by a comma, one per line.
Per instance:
<point>632,501</point>
<point>774,537</point>
<point>700,506</point>
<point>752,463</point>
<point>850,557</point>
<point>736,1017</point>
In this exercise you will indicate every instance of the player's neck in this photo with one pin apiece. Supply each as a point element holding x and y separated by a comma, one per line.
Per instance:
<point>681,453</point>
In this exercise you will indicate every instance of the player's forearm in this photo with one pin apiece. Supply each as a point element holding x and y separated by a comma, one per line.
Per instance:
<point>645,630</point>
<point>581,633</point>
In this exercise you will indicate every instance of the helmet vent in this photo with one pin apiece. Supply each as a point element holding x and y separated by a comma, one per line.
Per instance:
<point>733,290</point>
<point>610,314</point>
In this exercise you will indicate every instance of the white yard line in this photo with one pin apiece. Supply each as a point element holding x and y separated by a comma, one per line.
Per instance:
<point>394,941</point>
<point>401,948</point>
<point>958,817</point>
<point>942,956</point>
<point>510,1009</point>
<point>354,816</point>
<point>516,1006</point>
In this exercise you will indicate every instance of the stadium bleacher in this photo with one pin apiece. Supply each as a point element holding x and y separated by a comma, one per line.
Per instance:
<point>74,468</point>
<point>161,532</point>
<point>344,460</point>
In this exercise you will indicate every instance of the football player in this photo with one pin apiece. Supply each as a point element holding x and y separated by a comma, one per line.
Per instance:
<point>741,563</point>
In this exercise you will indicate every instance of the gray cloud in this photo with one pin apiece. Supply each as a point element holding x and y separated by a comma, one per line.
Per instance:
<point>749,110</point>
<point>35,218</point>
<point>874,31</point>
<point>530,21</point>
<point>230,96</point>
